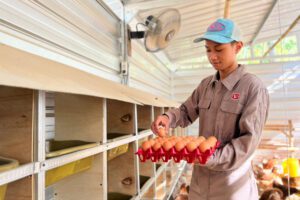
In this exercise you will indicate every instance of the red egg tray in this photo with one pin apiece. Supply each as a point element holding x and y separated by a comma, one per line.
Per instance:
<point>177,156</point>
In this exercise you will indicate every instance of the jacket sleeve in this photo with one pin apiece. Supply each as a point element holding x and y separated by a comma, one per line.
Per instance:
<point>251,123</point>
<point>188,112</point>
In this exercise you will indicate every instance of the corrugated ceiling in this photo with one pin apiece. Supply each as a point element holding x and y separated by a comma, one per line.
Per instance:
<point>259,20</point>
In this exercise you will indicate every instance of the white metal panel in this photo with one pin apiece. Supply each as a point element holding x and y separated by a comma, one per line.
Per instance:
<point>142,76</point>
<point>116,6</point>
<point>145,86</point>
<point>81,30</point>
<point>148,73</point>
<point>81,34</point>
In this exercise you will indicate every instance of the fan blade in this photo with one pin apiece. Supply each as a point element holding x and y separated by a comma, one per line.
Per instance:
<point>151,42</point>
<point>167,25</point>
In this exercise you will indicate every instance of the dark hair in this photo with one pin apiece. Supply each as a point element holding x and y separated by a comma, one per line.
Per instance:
<point>233,42</point>
<point>272,194</point>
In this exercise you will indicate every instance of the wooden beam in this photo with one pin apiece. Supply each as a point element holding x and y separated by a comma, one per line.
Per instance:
<point>227,9</point>
<point>286,129</point>
<point>283,36</point>
<point>278,148</point>
<point>276,126</point>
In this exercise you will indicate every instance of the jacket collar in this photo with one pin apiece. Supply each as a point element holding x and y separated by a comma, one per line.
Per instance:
<point>230,81</point>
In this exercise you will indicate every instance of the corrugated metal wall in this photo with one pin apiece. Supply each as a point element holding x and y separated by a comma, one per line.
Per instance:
<point>148,73</point>
<point>81,34</point>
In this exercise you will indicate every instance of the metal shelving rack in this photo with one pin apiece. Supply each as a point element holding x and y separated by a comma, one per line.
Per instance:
<point>46,75</point>
<point>38,168</point>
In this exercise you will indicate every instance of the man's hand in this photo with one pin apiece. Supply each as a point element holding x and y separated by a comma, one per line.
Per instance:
<point>161,125</point>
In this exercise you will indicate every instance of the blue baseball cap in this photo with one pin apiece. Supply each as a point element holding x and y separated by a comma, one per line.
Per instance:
<point>221,31</point>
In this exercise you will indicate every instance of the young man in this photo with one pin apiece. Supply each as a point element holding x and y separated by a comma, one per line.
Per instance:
<point>232,105</point>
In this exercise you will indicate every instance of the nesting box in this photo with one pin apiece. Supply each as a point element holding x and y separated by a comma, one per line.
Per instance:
<point>78,126</point>
<point>17,124</point>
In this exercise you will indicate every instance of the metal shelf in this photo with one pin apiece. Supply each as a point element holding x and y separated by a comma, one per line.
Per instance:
<point>62,160</point>
<point>151,181</point>
<point>41,165</point>
<point>179,173</point>
<point>18,173</point>
<point>36,167</point>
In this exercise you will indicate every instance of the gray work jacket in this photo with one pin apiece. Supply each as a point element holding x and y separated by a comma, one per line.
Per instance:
<point>234,110</point>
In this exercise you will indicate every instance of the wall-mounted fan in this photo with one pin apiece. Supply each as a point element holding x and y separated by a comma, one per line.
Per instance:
<point>160,30</point>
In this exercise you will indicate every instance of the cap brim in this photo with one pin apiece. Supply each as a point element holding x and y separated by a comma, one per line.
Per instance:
<point>215,38</point>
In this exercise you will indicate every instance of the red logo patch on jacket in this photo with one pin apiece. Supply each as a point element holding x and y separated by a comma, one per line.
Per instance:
<point>235,96</point>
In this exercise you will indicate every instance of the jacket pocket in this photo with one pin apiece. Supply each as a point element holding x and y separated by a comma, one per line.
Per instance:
<point>231,107</point>
<point>204,103</point>
<point>229,116</point>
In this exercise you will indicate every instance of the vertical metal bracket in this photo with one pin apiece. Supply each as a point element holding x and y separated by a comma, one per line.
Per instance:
<point>40,147</point>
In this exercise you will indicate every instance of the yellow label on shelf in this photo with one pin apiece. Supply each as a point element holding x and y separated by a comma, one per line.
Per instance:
<point>115,152</point>
<point>56,174</point>
<point>2,191</point>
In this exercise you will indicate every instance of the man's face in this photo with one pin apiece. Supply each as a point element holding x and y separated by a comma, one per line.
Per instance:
<point>222,56</point>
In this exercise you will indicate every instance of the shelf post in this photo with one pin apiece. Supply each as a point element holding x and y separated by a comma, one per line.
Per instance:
<point>40,147</point>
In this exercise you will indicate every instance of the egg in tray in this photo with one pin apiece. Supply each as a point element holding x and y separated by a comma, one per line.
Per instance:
<point>189,148</point>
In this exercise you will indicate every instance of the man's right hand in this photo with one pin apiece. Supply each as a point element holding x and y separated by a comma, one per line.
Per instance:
<point>160,126</point>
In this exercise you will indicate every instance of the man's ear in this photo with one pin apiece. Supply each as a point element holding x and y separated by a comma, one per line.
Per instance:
<point>238,46</point>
